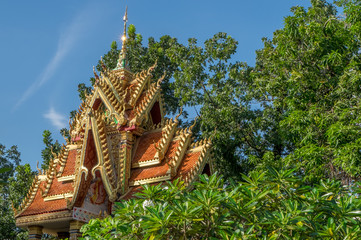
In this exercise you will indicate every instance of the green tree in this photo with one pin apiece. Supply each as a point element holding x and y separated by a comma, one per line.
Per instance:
<point>307,81</point>
<point>65,133</point>
<point>51,147</point>
<point>298,106</point>
<point>16,182</point>
<point>9,159</point>
<point>219,88</point>
<point>2,171</point>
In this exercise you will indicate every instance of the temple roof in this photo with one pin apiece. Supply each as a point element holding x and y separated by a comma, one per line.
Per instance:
<point>120,132</point>
<point>119,140</point>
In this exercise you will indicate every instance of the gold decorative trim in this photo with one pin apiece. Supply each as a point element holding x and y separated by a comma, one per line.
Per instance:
<point>50,175</point>
<point>67,178</point>
<point>63,158</point>
<point>201,162</point>
<point>194,150</point>
<point>77,125</point>
<point>44,218</point>
<point>125,161</point>
<point>148,163</point>
<point>104,165</point>
<point>42,177</point>
<point>94,97</point>
<point>105,100</point>
<point>112,100</point>
<point>167,135</point>
<point>154,127</point>
<point>178,135</point>
<point>29,198</point>
<point>121,76</point>
<point>79,166</point>
<point>200,143</point>
<point>143,108</point>
<point>184,142</point>
<point>139,87</point>
<point>151,180</point>
<point>58,196</point>
<point>114,91</point>
<point>143,79</point>
<point>71,147</point>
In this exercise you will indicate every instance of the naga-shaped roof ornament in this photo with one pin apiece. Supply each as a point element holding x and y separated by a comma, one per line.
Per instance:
<point>122,61</point>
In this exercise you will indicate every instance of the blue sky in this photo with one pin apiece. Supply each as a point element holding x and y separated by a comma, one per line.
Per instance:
<point>48,47</point>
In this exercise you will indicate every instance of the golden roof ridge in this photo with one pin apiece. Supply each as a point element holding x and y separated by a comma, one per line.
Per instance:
<point>79,164</point>
<point>183,145</point>
<point>168,132</point>
<point>63,157</point>
<point>144,106</point>
<point>29,198</point>
<point>143,78</point>
<point>201,161</point>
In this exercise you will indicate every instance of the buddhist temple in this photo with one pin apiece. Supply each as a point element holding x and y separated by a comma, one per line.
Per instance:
<point>120,139</point>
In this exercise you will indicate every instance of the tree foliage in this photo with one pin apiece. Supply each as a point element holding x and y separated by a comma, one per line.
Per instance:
<point>266,205</point>
<point>51,147</point>
<point>298,106</point>
<point>307,80</point>
<point>16,182</point>
<point>9,159</point>
<point>219,88</point>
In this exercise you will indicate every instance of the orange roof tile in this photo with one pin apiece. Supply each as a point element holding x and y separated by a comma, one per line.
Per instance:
<point>39,206</point>
<point>144,97</point>
<point>189,161</point>
<point>158,170</point>
<point>146,150</point>
<point>149,172</point>
<point>60,187</point>
<point>70,163</point>
<point>172,149</point>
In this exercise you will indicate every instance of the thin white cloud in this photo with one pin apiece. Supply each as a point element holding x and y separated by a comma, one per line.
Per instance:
<point>57,119</point>
<point>67,40</point>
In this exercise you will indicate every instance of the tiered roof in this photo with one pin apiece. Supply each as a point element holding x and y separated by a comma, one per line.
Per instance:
<point>121,135</point>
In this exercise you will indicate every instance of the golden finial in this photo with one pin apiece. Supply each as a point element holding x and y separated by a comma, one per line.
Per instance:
<point>122,61</point>
<point>180,112</point>
<point>125,20</point>
<point>194,123</point>
<point>37,167</point>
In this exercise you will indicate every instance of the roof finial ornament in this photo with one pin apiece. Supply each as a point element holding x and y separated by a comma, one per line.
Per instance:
<point>122,61</point>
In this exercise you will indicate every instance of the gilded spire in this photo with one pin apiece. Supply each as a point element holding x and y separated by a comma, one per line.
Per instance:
<point>122,61</point>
